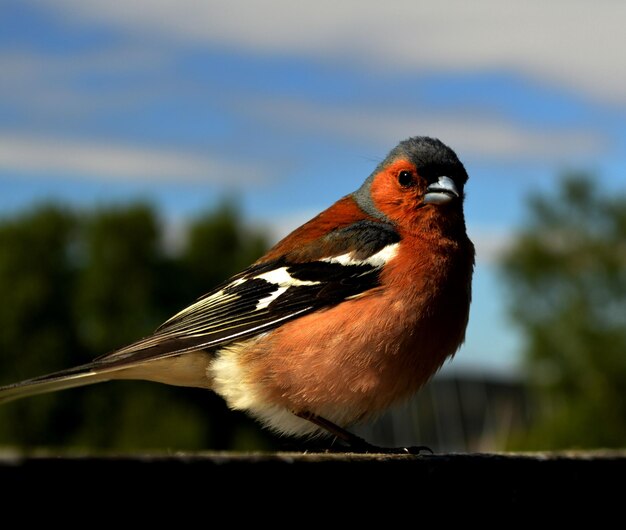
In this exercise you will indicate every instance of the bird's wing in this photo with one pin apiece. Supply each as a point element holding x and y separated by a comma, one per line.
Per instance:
<point>343,264</point>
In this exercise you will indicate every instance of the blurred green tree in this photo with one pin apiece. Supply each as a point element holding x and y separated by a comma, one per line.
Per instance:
<point>37,335</point>
<point>567,275</point>
<point>117,291</point>
<point>77,286</point>
<point>217,246</point>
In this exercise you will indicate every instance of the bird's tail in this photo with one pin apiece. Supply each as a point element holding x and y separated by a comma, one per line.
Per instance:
<point>156,358</point>
<point>85,374</point>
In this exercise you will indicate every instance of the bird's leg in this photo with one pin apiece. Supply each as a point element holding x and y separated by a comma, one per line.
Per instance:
<point>345,436</point>
<point>354,442</point>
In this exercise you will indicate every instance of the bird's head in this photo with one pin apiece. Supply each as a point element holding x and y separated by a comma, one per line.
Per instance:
<point>419,177</point>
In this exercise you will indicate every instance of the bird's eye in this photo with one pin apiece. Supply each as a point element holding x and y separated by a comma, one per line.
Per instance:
<point>405,178</point>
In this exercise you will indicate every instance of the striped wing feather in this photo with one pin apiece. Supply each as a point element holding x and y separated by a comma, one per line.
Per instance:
<point>270,293</point>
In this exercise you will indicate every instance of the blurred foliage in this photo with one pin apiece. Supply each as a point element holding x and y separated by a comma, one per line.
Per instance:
<point>567,276</point>
<point>77,285</point>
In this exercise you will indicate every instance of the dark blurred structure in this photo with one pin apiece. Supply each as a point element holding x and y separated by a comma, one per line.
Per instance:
<point>458,411</point>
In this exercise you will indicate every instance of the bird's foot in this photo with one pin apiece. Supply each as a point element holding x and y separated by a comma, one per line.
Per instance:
<point>359,445</point>
<point>351,443</point>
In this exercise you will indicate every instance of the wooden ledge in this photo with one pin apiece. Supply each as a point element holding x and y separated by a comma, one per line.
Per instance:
<point>571,480</point>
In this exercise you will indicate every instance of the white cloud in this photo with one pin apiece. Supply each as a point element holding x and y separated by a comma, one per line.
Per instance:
<point>581,50</point>
<point>39,85</point>
<point>79,158</point>
<point>45,84</point>
<point>574,43</point>
<point>470,135</point>
<point>24,65</point>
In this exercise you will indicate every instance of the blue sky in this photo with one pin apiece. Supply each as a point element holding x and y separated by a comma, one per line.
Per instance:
<point>288,106</point>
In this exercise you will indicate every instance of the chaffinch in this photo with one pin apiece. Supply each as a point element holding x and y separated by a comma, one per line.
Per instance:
<point>353,311</point>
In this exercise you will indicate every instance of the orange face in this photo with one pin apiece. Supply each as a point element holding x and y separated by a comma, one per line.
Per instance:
<point>399,192</point>
<point>397,189</point>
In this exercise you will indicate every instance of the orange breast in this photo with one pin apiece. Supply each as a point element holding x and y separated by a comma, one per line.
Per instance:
<point>357,358</point>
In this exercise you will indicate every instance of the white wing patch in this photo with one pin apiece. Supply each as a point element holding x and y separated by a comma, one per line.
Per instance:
<point>225,309</point>
<point>283,280</point>
<point>375,260</point>
<point>264,302</point>
<point>282,277</point>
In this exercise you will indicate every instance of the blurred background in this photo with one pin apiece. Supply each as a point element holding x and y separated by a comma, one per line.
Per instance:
<point>150,149</point>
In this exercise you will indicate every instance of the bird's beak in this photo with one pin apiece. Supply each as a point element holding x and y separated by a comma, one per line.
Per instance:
<point>441,192</point>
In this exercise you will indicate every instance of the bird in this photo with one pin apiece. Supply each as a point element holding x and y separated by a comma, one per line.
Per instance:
<point>350,313</point>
